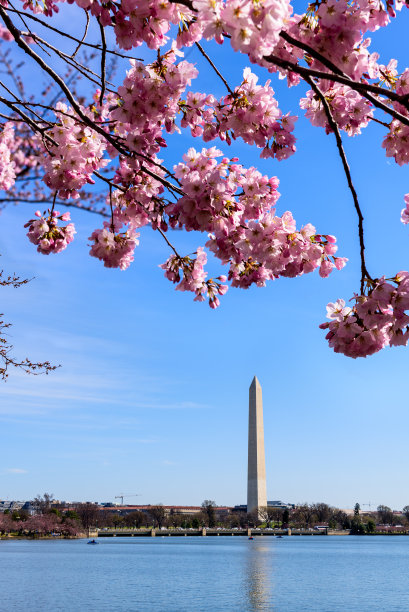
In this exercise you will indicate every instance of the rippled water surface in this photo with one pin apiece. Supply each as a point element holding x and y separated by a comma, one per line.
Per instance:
<point>178,574</point>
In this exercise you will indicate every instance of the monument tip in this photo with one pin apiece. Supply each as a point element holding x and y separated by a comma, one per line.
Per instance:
<point>255,382</point>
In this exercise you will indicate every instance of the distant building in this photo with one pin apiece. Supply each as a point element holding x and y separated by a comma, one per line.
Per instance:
<point>270,504</point>
<point>28,507</point>
<point>11,505</point>
<point>220,511</point>
<point>280,505</point>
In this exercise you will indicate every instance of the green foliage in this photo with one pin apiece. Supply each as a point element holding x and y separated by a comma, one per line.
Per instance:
<point>71,514</point>
<point>357,527</point>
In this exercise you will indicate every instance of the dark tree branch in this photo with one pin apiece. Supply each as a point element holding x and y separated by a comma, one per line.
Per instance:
<point>84,70</point>
<point>66,35</point>
<point>333,125</point>
<point>103,61</point>
<point>360,87</point>
<point>203,52</point>
<point>83,37</point>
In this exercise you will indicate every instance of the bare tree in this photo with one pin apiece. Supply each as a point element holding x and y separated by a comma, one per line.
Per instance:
<point>88,514</point>
<point>135,519</point>
<point>42,504</point>
<point>322,512</point>
<point>385,515</point>
<point>208,506</point>
<point>158,514</point>
<point>273,516</point>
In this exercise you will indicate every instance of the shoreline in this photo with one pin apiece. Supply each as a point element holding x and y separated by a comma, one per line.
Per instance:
<point>205,532</point>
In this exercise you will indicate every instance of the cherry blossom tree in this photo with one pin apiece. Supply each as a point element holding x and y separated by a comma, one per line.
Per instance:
<point>56,146</point>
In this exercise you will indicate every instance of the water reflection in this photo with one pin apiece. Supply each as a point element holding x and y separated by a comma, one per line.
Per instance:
<point>259,575</point>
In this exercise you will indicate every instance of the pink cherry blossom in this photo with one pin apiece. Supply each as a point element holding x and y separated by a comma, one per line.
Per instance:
<point>47,234</point>
<point>375,320</point>
<point>112,247</point>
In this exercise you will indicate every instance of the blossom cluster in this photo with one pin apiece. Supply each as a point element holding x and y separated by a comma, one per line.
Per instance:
<point>396,141</point>
<point>349,110</point>
<point>77,153</point>
<point>134,21</point>
<point>376,320</point>
<point>243,228</point>
<point>113,247</point>
<point>253,27</point>
<point>194,277</point>
<point>46,7</point>
<point>148,102</point>
<point>47,234</point>
<point>250,112</point>
<point>336,30</point>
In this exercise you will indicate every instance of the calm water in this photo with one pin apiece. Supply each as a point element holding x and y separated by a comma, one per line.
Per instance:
<point>318,574</point>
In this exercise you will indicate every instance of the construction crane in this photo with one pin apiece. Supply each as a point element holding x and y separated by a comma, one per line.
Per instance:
<point>369,505</point>
<point>121,497</point>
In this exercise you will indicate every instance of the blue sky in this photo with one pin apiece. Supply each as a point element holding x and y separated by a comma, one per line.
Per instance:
<point>152,394</point>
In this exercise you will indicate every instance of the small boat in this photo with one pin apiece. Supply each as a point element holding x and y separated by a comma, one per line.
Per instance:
<point>279,536</point>
<point>251,538</point>
<point>92,542</point>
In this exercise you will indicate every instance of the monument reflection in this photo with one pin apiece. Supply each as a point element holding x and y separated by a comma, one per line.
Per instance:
<point>259,575</point>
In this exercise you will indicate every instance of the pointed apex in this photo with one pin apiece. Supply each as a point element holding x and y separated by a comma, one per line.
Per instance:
<point>255,382</point>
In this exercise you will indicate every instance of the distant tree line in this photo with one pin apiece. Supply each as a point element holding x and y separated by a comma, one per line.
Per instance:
<point>49,518</point>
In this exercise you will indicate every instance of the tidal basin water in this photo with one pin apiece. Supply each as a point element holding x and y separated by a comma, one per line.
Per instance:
<point>182,574</point>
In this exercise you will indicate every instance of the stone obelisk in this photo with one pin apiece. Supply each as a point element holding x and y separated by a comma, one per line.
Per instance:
<point>256,475</point>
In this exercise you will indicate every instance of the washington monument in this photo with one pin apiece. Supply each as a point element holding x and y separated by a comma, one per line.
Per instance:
<point>256,475</point>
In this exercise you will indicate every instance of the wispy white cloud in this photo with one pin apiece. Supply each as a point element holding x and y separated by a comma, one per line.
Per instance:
<point>14,471</point>
<point>54,390</point>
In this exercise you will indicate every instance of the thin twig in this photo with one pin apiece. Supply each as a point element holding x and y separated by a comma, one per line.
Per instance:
<point>84,36</point>
<point>387,125</point>
<point>162,233</point>
<point>23,115</point>
<point>25,104</point>
<point>77,40</point>
<point>203,52</point>
<point>71,62</point>
<point>158,229</point>
<point>103,61</point>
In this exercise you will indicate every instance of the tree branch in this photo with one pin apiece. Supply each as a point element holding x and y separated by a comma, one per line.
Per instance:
<point>364,272</point>
<point>103,61</point>
<point>202,51</point>
<point>83,37</point>
<point>362,88</point>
